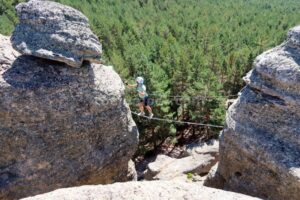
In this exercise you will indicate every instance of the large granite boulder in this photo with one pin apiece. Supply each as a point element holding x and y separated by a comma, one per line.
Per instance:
<point>61,126</point>
<point>7,54</point>
<point>151,190</point>
<point>213,178</point>
<point>188,168</point>
<point>198,160</point>
<point>260,145</point>
<point>53,31</point>
<point>210,147</point>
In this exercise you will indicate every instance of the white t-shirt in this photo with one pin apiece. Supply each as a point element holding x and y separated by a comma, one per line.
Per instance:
<point>141,89</point>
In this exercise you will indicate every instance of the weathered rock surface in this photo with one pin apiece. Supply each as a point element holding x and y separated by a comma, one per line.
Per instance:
<point>260,146</point>
<point>53,31</point>
<point>7,54</point>
<point>167,168</point>
<point>213,178</point>
<point>61,126</point>
<point>152,190</point>
<point>211,147</point>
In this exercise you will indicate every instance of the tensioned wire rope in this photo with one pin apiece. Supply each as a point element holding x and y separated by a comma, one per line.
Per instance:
<point>206,97</point>
<point>185,122</point>
<point>178,122</point>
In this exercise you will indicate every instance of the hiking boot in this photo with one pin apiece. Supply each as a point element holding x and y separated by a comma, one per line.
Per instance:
<point>141,114</point>
<point>151,115</point>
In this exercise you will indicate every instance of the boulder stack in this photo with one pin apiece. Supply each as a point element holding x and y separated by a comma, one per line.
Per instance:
<point>53,31</point>
<point>260,145</point>
<point>60,126</point>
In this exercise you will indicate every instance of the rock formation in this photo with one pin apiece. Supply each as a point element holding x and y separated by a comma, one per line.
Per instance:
<point>56,32</point>
<point>59,126</point>
<point>211,147</point>
<point>260,145</point>
<point>152,190</point>
<point>7,54</point>
<point>198,160</point>
<point>214,179</point>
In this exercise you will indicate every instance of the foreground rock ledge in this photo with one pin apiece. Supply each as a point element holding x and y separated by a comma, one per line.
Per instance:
<point>60,126</point>
<point>152,190</point>
<point>260,146</point>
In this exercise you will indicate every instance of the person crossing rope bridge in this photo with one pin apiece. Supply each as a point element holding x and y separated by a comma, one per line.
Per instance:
<point>143,96</point>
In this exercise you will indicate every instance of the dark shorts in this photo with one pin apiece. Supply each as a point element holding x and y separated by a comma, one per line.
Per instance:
<point>145,100</point>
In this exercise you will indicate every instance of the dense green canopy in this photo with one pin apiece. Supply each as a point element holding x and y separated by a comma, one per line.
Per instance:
<point>196,49</point>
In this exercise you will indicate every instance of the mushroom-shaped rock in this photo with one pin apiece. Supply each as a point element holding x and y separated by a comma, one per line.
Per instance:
<point>53,31</point>
<point>61,126</point>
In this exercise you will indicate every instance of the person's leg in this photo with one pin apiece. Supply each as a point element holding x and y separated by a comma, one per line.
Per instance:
<point>141,107</point>
<point>149,109</point>
<point>146,103</point>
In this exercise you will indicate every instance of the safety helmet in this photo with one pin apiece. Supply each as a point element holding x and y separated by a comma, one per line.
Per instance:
<point>139,80</point>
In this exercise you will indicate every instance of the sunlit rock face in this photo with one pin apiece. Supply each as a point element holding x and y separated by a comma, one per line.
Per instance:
<point>150,190</point>
<point>57,32</point>
<point>260,145</point>
<point>61,126</point>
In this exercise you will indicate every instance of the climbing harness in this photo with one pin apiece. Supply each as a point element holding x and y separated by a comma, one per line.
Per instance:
<point>179,122</point>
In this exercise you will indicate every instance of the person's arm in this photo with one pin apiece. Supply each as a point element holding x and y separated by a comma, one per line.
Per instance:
<point>142,94</point>
<point>130,85</point>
